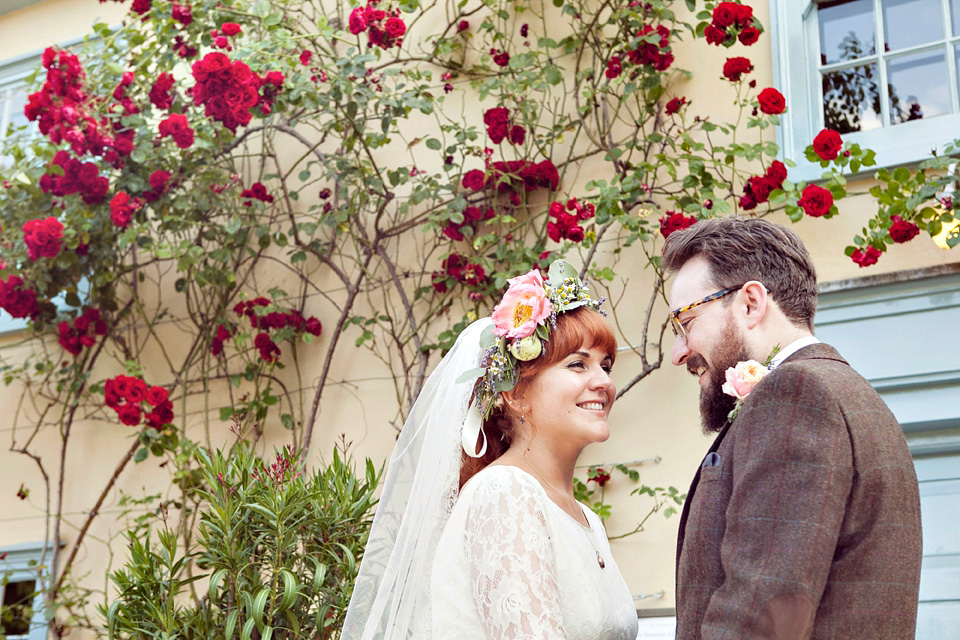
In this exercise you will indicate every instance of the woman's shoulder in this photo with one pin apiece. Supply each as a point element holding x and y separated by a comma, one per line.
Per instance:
<point>503,479</point>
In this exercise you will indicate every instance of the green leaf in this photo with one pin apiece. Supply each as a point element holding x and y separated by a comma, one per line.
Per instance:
<point>433,144</point>
<point>470,374</point>
<point>141,454</point>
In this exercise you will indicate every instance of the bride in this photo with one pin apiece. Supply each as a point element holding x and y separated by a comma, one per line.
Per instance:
<point>477,534</point>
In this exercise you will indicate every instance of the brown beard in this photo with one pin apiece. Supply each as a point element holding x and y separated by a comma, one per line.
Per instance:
<point>715,405</point>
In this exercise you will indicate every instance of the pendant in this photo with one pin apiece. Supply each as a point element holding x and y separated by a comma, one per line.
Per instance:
<point>600,560</point>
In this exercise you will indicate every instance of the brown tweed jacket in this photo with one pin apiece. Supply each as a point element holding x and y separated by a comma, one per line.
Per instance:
<point>804,520</point>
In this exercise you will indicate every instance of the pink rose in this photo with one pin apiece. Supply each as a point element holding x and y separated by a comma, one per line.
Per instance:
<point>742,378</point>
<point>523,307</point>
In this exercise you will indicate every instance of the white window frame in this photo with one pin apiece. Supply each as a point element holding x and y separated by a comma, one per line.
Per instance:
<point>13,74</point>
<point>795,46</point>
<point>29,561</point>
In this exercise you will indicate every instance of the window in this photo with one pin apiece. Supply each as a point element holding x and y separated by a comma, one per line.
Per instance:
<point>22,573</point>
<point>884,73</point>
<point>13,97</point>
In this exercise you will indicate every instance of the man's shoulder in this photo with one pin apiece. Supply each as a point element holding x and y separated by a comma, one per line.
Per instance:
<point>816,364</point>
<point>818,374</point>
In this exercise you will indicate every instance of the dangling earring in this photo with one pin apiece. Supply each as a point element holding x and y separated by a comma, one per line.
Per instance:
<point>522,419</point>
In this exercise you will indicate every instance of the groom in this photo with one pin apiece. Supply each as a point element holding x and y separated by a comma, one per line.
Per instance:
<point>803,520</point>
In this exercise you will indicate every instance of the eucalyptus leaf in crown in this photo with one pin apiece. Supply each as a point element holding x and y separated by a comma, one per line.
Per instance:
<point>522,323</point>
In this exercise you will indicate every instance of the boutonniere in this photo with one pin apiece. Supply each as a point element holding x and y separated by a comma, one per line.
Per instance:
<point>742,378</point>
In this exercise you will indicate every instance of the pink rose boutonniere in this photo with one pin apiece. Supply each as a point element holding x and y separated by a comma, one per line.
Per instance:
<point>742,378</point>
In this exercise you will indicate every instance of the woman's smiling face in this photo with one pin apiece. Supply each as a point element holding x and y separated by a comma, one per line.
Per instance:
<point>571,399</point>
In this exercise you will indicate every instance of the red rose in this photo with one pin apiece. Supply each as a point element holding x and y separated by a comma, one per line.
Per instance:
<point>827,144</point>
<point>165,412</point>
<point>122,208</point>
<point>473,275</point>
<point>724,14</point>
<point>230,29</point>
<point>474,179</point>
<point>158,179</point>
<point>902,231</point>
<point>463,25</point>
<point>140,6</point>
<point>182,13</point>
<point>137,390</point>
<point>599,476</point>
<point>714,35</point>
<point>517,134</point>
<point>305,57</point>
<point>358,21</point>
<point>614,67</point>
<point>575,233</point>
<point>69,338</point>
<point>749,36</point>
<point>121,385</point>
<point>771,101</point>
<point>674,221</point>
<point>43,237</point>
<point>160,93</point>
<point>498,132</point>
<point>454,265</point>
<point>502,58</point>
<point>867,257</point>
<point>673,106</point>
<point>395,27</point>
<point>129,414</point>
<point>733,68</point>
<point>153,419</point>
<point>156,396</point>
<point>313,326</point>
<point>760,187</point>
<point>743,14</point>
<point>777,171</point>
<point>816,201</point>
<point>17,300</point>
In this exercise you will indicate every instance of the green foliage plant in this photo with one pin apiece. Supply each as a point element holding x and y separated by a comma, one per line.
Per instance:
<point>275,554</point>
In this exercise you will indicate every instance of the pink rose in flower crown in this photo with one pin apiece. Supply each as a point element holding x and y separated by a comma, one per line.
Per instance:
<point>523,307</point>
<point>741,379</point>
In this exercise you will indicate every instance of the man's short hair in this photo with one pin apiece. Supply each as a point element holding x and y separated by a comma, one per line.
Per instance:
<point>739,249</point>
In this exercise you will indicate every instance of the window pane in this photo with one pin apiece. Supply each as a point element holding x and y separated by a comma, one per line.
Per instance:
<point>18,602</point>
<point>846,30</point>
<point>955,12</point>
<point>917,86</point>
<point>911,22</point>
<point>851,99</point>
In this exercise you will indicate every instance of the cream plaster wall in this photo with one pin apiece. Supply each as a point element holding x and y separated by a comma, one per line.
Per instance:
<point>656,418</point>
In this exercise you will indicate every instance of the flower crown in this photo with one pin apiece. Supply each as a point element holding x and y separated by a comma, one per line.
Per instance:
<point>522,322</point>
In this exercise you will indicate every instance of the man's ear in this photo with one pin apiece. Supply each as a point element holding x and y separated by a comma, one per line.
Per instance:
<point>756,298</point>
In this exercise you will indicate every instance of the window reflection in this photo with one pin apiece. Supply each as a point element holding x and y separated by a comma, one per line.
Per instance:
<point>846,30</point>
<point>851,99</point>
<point>907,23</point>
<point>955,13</point>
<point>918,86</point>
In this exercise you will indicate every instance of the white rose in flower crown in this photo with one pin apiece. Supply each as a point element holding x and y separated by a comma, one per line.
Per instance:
<point>742,378</point>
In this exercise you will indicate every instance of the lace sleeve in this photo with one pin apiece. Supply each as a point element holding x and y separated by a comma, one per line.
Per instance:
<point>511,561</point>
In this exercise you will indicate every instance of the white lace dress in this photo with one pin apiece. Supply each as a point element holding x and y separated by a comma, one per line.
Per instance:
<point>511,564</point>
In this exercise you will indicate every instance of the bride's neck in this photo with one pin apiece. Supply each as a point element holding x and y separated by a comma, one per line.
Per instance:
<point>554,472</point>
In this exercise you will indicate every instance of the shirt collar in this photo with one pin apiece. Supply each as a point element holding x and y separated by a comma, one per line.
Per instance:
<point>791,349</point>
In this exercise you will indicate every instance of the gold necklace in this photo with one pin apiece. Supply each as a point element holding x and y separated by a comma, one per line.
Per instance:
<point>589,533</point>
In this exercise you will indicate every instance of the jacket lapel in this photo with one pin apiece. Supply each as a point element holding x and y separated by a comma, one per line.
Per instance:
<point>693,488</point>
